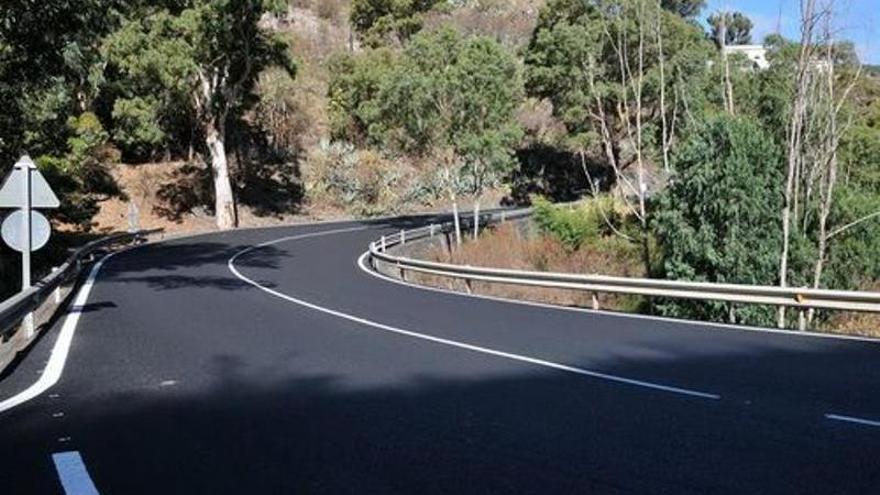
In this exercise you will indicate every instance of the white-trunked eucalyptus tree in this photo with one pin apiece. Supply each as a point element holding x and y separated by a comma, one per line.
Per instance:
<point>209,54</point>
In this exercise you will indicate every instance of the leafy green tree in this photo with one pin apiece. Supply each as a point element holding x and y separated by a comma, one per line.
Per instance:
<point>574,61</point>
<point>446,96</point>
<point>619,74</point>
<point>456,98</point>
<point>854,261</point>
<point>206,57</point>
<point>718,220</point>
<point>50,70</point>
<point>355,82</point>
<point>687,9</point>
<point>735,27</point>
<point>138,124</point>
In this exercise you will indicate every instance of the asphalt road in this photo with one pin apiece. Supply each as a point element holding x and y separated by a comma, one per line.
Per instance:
<point>292,370</point>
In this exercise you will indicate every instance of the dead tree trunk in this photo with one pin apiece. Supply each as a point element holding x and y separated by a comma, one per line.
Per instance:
<point>795,142</point>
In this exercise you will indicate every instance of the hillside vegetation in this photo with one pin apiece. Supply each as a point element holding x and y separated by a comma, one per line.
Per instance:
<point>700,165</point>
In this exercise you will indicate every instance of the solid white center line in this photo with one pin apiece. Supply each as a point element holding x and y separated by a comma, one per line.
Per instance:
<point>453,343</point>
<point>853,419</point>
<point>73,474</point>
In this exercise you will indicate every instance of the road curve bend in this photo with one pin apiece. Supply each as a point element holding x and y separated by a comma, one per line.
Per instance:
<point>270,361</point>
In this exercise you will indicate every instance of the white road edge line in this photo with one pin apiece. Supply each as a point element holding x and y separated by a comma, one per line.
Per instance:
<point>53,370</point>
<point>448,342</point>
<point>704,325</point>
<point>852,419</point>
<point>73,474</point>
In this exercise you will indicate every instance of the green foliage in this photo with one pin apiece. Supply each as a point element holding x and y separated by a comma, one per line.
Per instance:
<point>597,223</point>
<point>195,64</point>
<point>719,220</point>
<point>137,124</point>
<point>354,104</point>
<point>50,69</point>
<point>443,94</point>
<point>451,91</point>
<point>571,227</point>
<point>687,9</point>
<point>572,60</point>
<point>80,177</point>
<point>737,28</point>
<point>854,260</point>
<point>379,22</point>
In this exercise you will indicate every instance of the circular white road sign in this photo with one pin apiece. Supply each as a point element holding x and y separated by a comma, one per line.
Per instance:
<point>14,237</point>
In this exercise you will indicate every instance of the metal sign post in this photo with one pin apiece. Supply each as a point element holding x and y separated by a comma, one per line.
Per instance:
<point>26,228</point>
<point>25,189</point>
<point>26,244</point>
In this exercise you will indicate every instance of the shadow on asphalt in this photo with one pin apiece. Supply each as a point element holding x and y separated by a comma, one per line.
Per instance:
<point>155,265</point>
<point>542,432</point>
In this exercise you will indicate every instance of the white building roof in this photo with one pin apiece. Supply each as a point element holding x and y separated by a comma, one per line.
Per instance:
<point>755,53</point>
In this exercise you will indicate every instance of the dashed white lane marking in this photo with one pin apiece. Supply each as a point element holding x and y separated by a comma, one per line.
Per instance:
<point>448,342</point>
<point>853,419</point>
<point>52,372</point>
<point>73,474</point>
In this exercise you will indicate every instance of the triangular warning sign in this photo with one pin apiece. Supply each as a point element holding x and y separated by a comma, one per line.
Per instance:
<point>12,191</point>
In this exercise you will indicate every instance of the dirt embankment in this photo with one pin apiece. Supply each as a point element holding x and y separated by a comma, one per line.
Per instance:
<point>166,196</point>
<point>175,196</point>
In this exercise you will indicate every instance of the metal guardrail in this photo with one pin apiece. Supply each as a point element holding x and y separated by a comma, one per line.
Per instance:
<point>14,309</point>
<point>799,298</point>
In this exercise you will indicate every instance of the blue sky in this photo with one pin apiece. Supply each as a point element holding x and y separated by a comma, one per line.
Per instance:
<point>856,20</point>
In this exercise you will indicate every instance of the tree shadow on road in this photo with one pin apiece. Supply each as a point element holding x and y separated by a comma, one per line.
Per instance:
<point>465,424</point>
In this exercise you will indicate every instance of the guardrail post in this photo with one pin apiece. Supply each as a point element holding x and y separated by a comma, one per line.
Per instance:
<point>503,216</point>
<point>431,228</point>
<point>802,320</point>
<point>57,290</point>
<point>476,220</point>
<point>402,237</point>
<point>595,298</point>
<point>28,323</point>
<point>402,272</point>
<point>382,241</point>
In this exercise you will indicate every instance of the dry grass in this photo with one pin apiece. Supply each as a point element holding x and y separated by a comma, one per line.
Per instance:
<point>507,247</point>
<point>863,324</point>
<point>511,22</point>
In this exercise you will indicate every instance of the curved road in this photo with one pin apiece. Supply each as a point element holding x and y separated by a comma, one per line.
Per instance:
<point>268,361</point>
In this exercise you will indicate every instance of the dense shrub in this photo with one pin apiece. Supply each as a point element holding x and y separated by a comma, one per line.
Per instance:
<point>570,226</point>
<point>593,222</point>
<point>719,220</point>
